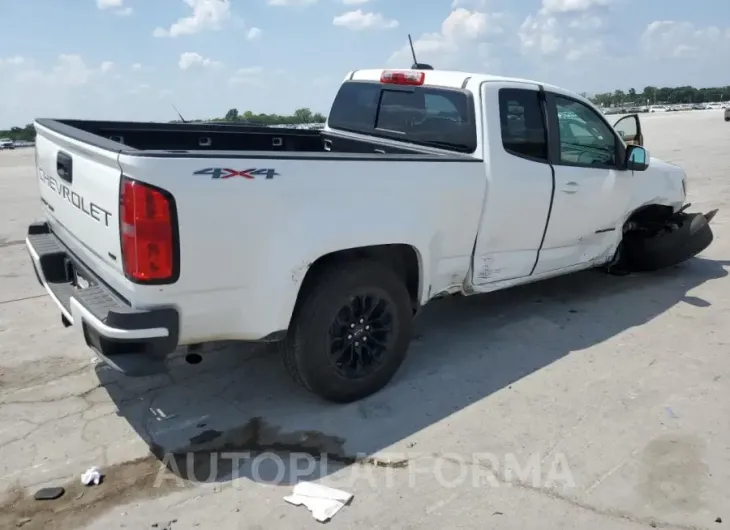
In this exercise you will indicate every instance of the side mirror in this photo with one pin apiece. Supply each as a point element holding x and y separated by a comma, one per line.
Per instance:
<point>637,159</point>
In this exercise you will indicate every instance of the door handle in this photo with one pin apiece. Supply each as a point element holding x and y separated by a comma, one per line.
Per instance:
<point>64,166</point>
<point>570,187</point>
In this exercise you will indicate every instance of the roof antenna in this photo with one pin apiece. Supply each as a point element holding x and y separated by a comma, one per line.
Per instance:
<point>416,64</point>
<point>178,113</point>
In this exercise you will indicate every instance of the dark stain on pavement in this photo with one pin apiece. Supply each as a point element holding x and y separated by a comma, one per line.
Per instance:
<point>163,472</point>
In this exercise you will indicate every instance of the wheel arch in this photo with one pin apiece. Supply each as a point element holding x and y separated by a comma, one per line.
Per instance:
<point>648,213</point>
<point>405,259</point>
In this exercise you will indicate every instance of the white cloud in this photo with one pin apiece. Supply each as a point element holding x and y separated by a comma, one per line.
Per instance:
<point>12,61</point>
<point>669,39</point>
<point>573,6</point>
<point>540,34</point>
<point>78,87</point>
<point>69,71</point>
<point>470,24</point>
<point>117,6</point>
<point>137,66</point>
<point>586,23</point>
<point>360,20</point>
<point>355,2</point>
<point>254,34</point>
<point>293,3</point>
<point>461,28</point>
<point>195,60</point>
<point>207,15</point>
<point>544,35</point>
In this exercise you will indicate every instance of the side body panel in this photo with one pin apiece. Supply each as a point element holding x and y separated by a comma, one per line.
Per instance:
<point>247,242</point>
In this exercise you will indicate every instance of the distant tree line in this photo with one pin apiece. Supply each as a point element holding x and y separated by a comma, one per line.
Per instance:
<point>20,134</point>
<point>303,115</point>
<point>663,95</point>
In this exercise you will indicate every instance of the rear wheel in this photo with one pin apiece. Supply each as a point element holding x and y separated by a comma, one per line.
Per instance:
<point>350,333</point>
<point>673,244</point>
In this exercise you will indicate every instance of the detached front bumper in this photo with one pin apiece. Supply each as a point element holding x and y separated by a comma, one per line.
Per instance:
<point>133,341</point>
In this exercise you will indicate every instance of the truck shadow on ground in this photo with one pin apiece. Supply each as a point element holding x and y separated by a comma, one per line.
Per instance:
<point>237,414</point>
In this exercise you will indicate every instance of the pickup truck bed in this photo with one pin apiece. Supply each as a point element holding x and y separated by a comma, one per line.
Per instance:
<point>226,207</point>
<point>206,137</point>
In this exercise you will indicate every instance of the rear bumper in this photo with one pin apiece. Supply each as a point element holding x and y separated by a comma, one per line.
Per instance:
<point>133,341</point>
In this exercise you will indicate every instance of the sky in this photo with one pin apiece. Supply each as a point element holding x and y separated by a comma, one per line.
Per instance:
<point>135,59</point>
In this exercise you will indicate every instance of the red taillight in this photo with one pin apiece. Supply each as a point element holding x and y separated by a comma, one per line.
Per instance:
<point>403,78</point>
<point>146,226</point>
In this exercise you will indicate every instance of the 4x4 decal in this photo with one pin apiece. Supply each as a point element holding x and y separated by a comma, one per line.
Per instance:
<point>226,173</point>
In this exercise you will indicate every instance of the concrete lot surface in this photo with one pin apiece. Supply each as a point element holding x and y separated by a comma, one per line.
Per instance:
<point>584,402</point>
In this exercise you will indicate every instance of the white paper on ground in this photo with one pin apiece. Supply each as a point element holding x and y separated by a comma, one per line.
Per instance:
<point>324,502</point>
<point>91,475</point>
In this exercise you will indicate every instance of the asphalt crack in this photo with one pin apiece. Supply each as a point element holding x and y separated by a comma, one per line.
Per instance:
<point>23,299</point>
<point>12,243</point>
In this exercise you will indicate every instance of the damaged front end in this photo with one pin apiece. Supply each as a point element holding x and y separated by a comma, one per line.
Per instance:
<point>655,238</point>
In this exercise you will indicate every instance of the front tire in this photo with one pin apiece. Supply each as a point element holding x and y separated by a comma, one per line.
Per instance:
<point>668,247</point>
<point>350,332</point>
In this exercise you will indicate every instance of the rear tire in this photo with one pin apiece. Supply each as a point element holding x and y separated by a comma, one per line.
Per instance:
<point>668,248</point>
<point>317,351</point>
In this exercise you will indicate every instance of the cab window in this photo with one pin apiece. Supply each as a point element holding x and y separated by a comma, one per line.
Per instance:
<point>423,115</point>
<point>585,138</point>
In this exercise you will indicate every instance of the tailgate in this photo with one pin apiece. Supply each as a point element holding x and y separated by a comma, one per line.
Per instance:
<point>79,189</point>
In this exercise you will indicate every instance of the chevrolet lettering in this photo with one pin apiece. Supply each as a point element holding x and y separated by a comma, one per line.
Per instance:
<point>93,210</point>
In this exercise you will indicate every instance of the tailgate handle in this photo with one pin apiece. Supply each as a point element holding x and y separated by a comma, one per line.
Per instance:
<point>64,166</point>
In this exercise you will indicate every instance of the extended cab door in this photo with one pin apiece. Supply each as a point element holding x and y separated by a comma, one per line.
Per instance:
<point>629,129</point>
<point>519,183</point>
<point>591,191</point>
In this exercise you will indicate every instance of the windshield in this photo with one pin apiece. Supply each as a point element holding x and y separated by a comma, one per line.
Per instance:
<point>430,116</point>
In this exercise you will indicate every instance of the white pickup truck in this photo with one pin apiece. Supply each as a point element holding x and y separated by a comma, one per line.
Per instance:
<point>423,183</point>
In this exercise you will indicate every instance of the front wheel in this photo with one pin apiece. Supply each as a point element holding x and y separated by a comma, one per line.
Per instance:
<point>350,333</point>
<point>670,246</point>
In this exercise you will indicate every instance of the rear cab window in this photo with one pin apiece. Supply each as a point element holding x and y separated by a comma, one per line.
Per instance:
<point>524,133</point>
<point>421,115</point>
